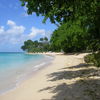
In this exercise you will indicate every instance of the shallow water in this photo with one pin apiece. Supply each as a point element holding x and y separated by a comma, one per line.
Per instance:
<point>15,67</point>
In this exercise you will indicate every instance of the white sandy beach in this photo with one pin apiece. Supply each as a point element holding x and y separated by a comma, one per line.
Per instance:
<point>48,83</point>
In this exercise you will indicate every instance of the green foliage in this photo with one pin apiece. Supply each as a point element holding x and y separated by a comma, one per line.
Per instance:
<point>41,39</point>
<point>45,39</point>
<point>97,59</point>
<point>62,11</point>
<point>70,37</point>
<point>89,58</point>
<point>80,16</point>
<point>27,45</point>
<point>78,20</point>
<point>93,59</point>
<point>35,46</point>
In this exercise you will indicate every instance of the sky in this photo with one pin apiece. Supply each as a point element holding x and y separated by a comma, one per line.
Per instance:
<point>16,26</point>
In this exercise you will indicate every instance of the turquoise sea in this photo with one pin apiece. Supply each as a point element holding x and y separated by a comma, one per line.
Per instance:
<point>16,67</point>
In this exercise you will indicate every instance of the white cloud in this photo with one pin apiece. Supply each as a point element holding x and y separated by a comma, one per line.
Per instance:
<point>36,31</point>
<point>16,33</point>
<point>11,23</point>
<point>1,29</point>
<point>48,34</point>
<point>14,29</point>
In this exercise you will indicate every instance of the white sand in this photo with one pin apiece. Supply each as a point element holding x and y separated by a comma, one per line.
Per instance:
<point>39,87</point>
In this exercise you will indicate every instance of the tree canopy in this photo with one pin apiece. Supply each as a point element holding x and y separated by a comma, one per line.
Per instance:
<point>84,12</point>
<point>78,23</point>
<point>63,10</point>
<point>36,46</point>
<point>69,37</point>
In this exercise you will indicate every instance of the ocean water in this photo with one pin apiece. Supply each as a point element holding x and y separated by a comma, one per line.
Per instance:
<point>16,67</point>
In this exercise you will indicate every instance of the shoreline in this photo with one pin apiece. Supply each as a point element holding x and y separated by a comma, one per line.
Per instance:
<point>46,82</point>
<point>48,53</point>
<point>39,66</point>
<point>30,75</point>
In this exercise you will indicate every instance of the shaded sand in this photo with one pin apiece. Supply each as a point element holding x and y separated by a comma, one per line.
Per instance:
<point>67,78</point>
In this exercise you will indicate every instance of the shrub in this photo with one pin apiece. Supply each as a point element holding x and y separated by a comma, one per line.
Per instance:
<point>89,58</point>
<point>93,59</point>
<point>97,59</point>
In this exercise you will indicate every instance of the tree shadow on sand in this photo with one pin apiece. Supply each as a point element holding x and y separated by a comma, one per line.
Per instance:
<point>86,88</point>
<point>84,65</point>
<point>88,72</point>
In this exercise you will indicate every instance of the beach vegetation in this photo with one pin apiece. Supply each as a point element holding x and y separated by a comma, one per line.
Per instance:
<point>93,58</point>
<point>36,46</point>
<point>78,24</point>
